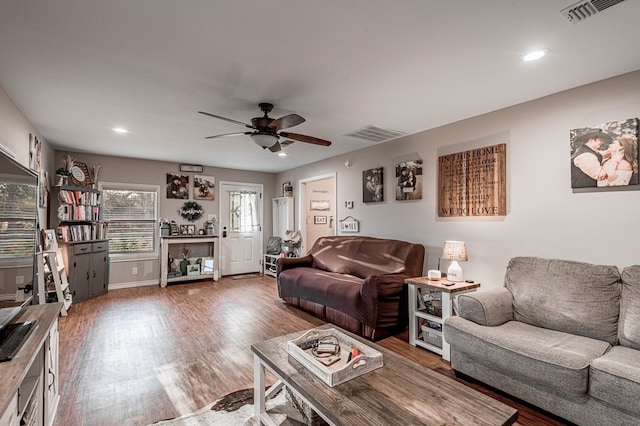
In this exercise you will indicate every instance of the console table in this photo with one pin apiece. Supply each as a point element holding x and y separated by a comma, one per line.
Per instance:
<point>166,242</point>
<point>29,386</point>
<point>415,314</point>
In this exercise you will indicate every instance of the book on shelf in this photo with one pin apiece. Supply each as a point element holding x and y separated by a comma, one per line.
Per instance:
<point>80,212</point>
<point>70,196</point>
<point>421,304</point>
<point>83,232</point>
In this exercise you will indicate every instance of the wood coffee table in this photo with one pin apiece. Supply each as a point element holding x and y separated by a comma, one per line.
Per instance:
<point>400,393</point>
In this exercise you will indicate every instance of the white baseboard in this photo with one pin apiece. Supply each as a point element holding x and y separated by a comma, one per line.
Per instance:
<point>7,297</point>
<point>133,284</point>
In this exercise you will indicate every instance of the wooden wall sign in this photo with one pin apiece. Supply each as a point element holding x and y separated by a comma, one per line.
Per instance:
<point>473,183</point>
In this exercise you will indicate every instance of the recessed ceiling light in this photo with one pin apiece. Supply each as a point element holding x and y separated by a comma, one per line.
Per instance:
<point>282,154</point>
<point>120,130</point>
<point>535,55</point>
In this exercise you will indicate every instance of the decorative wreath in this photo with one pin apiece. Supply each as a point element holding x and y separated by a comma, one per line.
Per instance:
<point>191,211</point>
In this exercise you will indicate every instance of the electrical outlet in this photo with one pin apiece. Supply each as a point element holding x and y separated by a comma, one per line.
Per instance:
<point>20,279</point>
<point>134,271</point>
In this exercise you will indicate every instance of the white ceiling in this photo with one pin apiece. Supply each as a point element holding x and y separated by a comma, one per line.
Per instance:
<point>78,68</point>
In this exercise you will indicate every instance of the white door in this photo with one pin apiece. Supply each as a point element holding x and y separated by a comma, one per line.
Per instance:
<point>240,228</point>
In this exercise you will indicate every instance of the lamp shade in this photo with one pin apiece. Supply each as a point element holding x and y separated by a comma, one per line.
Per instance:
<point>455,250</point>
<point>265,140</point>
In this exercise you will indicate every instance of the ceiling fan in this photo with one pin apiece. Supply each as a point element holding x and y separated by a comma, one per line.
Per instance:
<point>267,131</point>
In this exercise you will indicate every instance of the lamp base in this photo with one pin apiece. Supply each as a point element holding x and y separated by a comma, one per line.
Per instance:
<point>454,273</point>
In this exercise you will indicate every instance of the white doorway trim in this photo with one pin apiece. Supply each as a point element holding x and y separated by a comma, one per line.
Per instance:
<point>303,203</point>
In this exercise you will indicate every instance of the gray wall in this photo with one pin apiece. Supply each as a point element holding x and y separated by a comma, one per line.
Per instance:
<point>137,171</point>
<point>544,217</point>
<point>14,136</point>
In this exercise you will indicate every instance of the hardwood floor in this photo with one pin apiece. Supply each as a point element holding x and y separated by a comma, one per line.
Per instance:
<point>140,355</point>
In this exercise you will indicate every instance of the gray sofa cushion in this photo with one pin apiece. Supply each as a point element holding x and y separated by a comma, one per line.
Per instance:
<point>573,297</point>
<point>487,307</point>
<point>629,327</point>
<point>615,378</point>
<point>531,354</point>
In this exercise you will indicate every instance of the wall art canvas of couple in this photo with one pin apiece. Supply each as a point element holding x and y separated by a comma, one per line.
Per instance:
<point>605,155</point>
<point>373,185</point>
<point>409,180</point>
<point>204,187</point>
<point>178,186</point>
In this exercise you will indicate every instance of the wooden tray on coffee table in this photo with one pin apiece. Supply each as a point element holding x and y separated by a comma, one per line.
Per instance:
<point>343,370</point>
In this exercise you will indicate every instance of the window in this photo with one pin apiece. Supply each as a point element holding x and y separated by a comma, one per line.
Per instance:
<point>132,214</point>
<point>17,218</point>
<point>243,211</point>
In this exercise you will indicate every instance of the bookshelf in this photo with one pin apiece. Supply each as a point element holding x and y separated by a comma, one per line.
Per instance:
<point>76,214</point>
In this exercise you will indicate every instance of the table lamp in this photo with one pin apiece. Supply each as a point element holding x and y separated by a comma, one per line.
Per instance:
<point>455,251</point>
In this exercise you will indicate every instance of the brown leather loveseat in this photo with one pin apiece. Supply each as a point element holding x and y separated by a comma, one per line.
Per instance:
<point>356,283</point>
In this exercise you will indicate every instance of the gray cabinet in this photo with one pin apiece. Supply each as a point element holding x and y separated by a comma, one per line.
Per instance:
<point>87,262</point>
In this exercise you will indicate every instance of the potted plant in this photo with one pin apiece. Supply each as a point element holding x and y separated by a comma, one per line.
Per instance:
<point>62,176</point>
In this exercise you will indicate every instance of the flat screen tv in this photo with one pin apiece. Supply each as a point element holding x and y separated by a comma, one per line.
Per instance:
<point>18,230</point>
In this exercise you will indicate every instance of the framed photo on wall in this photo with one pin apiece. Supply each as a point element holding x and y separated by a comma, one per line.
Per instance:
<point>204,187</point>
<point>319,205</point>
<point>605,155</point>
<point>409,180</point>
<point>177,186</point>
<point>373,185</point>
<point>35,153</point>
<point>319,220</point>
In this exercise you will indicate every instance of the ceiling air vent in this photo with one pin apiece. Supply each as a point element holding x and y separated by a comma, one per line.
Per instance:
<point>582,10</point>
<point>376,134</point>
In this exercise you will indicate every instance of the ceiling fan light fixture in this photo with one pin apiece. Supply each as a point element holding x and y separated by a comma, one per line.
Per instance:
<point>264,140</point>
<point>282,154</point>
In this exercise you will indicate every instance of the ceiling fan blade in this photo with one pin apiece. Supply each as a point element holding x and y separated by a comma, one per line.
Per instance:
<point>226,119</point>
<point>275,147</point>
<point>228,134</point>
<point>286,121</point>
<point>305,138</point>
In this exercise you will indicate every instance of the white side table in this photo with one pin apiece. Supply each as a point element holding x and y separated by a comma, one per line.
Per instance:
<point>270,263</point>
<point>165,242</point>
<point>448,301</point>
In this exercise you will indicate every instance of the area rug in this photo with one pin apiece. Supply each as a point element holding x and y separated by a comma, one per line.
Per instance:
<point>244,276</point>
<point>236,409</point>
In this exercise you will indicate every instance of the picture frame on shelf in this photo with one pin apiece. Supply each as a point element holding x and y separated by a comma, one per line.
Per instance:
<point>207,266</point>
<point>49,239</point>
<point>187,230</point>
<point>193,269</point>
<point>80,175</point>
